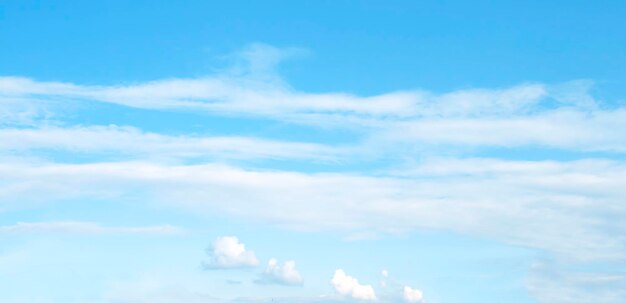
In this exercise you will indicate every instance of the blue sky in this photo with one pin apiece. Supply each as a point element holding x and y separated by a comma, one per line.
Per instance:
<point>327,151</point>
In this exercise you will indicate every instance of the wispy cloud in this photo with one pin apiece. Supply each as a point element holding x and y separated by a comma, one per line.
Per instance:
<point>549,282</point>
<point>534,204</point>
<point>132,142</point>
<point>87,228</point>
<point>560,116</point>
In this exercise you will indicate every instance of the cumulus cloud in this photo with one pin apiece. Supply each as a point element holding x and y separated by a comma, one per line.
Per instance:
<point>412,295</point>
<point>350,287</point>
<point>276,274</point>
<point>228,252</point>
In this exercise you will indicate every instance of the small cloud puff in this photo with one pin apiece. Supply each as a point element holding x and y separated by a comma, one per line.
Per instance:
<point>412,295</point>
<point>228,252</point>
<point>349,286</point>
<point>285,274</point>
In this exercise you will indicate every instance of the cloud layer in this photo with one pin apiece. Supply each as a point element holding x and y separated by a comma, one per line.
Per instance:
<point>529,165</point>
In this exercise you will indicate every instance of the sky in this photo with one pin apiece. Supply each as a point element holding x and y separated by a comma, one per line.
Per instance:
<point>312,151</point>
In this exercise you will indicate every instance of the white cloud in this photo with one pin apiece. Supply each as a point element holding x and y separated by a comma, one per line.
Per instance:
<point>561,116</point>
<point>412,295</point>
<point>562,128</point>
<point>130,141</point>
<point>349,286</point>
<point>86,228</point>
<point>276,274</point>
<point>550,282</point>
<point>537,204</point>
<point>224,94</point>
<point>545,201</point>
<point>384,273</point>
<point>228,252</point>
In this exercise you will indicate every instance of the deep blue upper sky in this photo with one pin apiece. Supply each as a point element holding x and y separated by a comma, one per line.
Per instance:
<point>363,47</point>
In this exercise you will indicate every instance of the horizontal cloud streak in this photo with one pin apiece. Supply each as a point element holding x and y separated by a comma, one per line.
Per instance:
<point>560,116</point>
<point>87,228</point>
<point>535,204</point>
<point>131,141</point>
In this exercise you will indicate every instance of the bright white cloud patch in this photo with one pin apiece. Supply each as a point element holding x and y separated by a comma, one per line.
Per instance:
<point>349,286</point>
<point>276,274</point>
<point>228,252</point>
<point>412,295</point>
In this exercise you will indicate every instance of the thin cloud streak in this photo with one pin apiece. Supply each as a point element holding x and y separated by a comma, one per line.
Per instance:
<point>90,228</point>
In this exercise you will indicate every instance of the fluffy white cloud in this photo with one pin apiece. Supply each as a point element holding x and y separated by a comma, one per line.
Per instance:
<point>228,252</point>
<point>87,228</point>
<point>412,295</point>
<point>285,274</point>
<point>349,286</point>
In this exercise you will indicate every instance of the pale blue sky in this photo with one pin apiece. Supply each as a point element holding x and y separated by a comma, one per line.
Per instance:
<point>406,151</point>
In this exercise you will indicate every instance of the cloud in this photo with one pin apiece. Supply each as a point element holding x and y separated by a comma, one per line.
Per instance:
<point>562,128</point>
<point>285,274</point>
<point>228,252</point>
<point>582,197</point>
<point>412,295</point>
<point>132,142</point>
<point>219,94</point>
<point>557,116</point>
<point>87,228</point>
<point>349,286</point>
<point>551,282</point>
<point>536,204</point>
